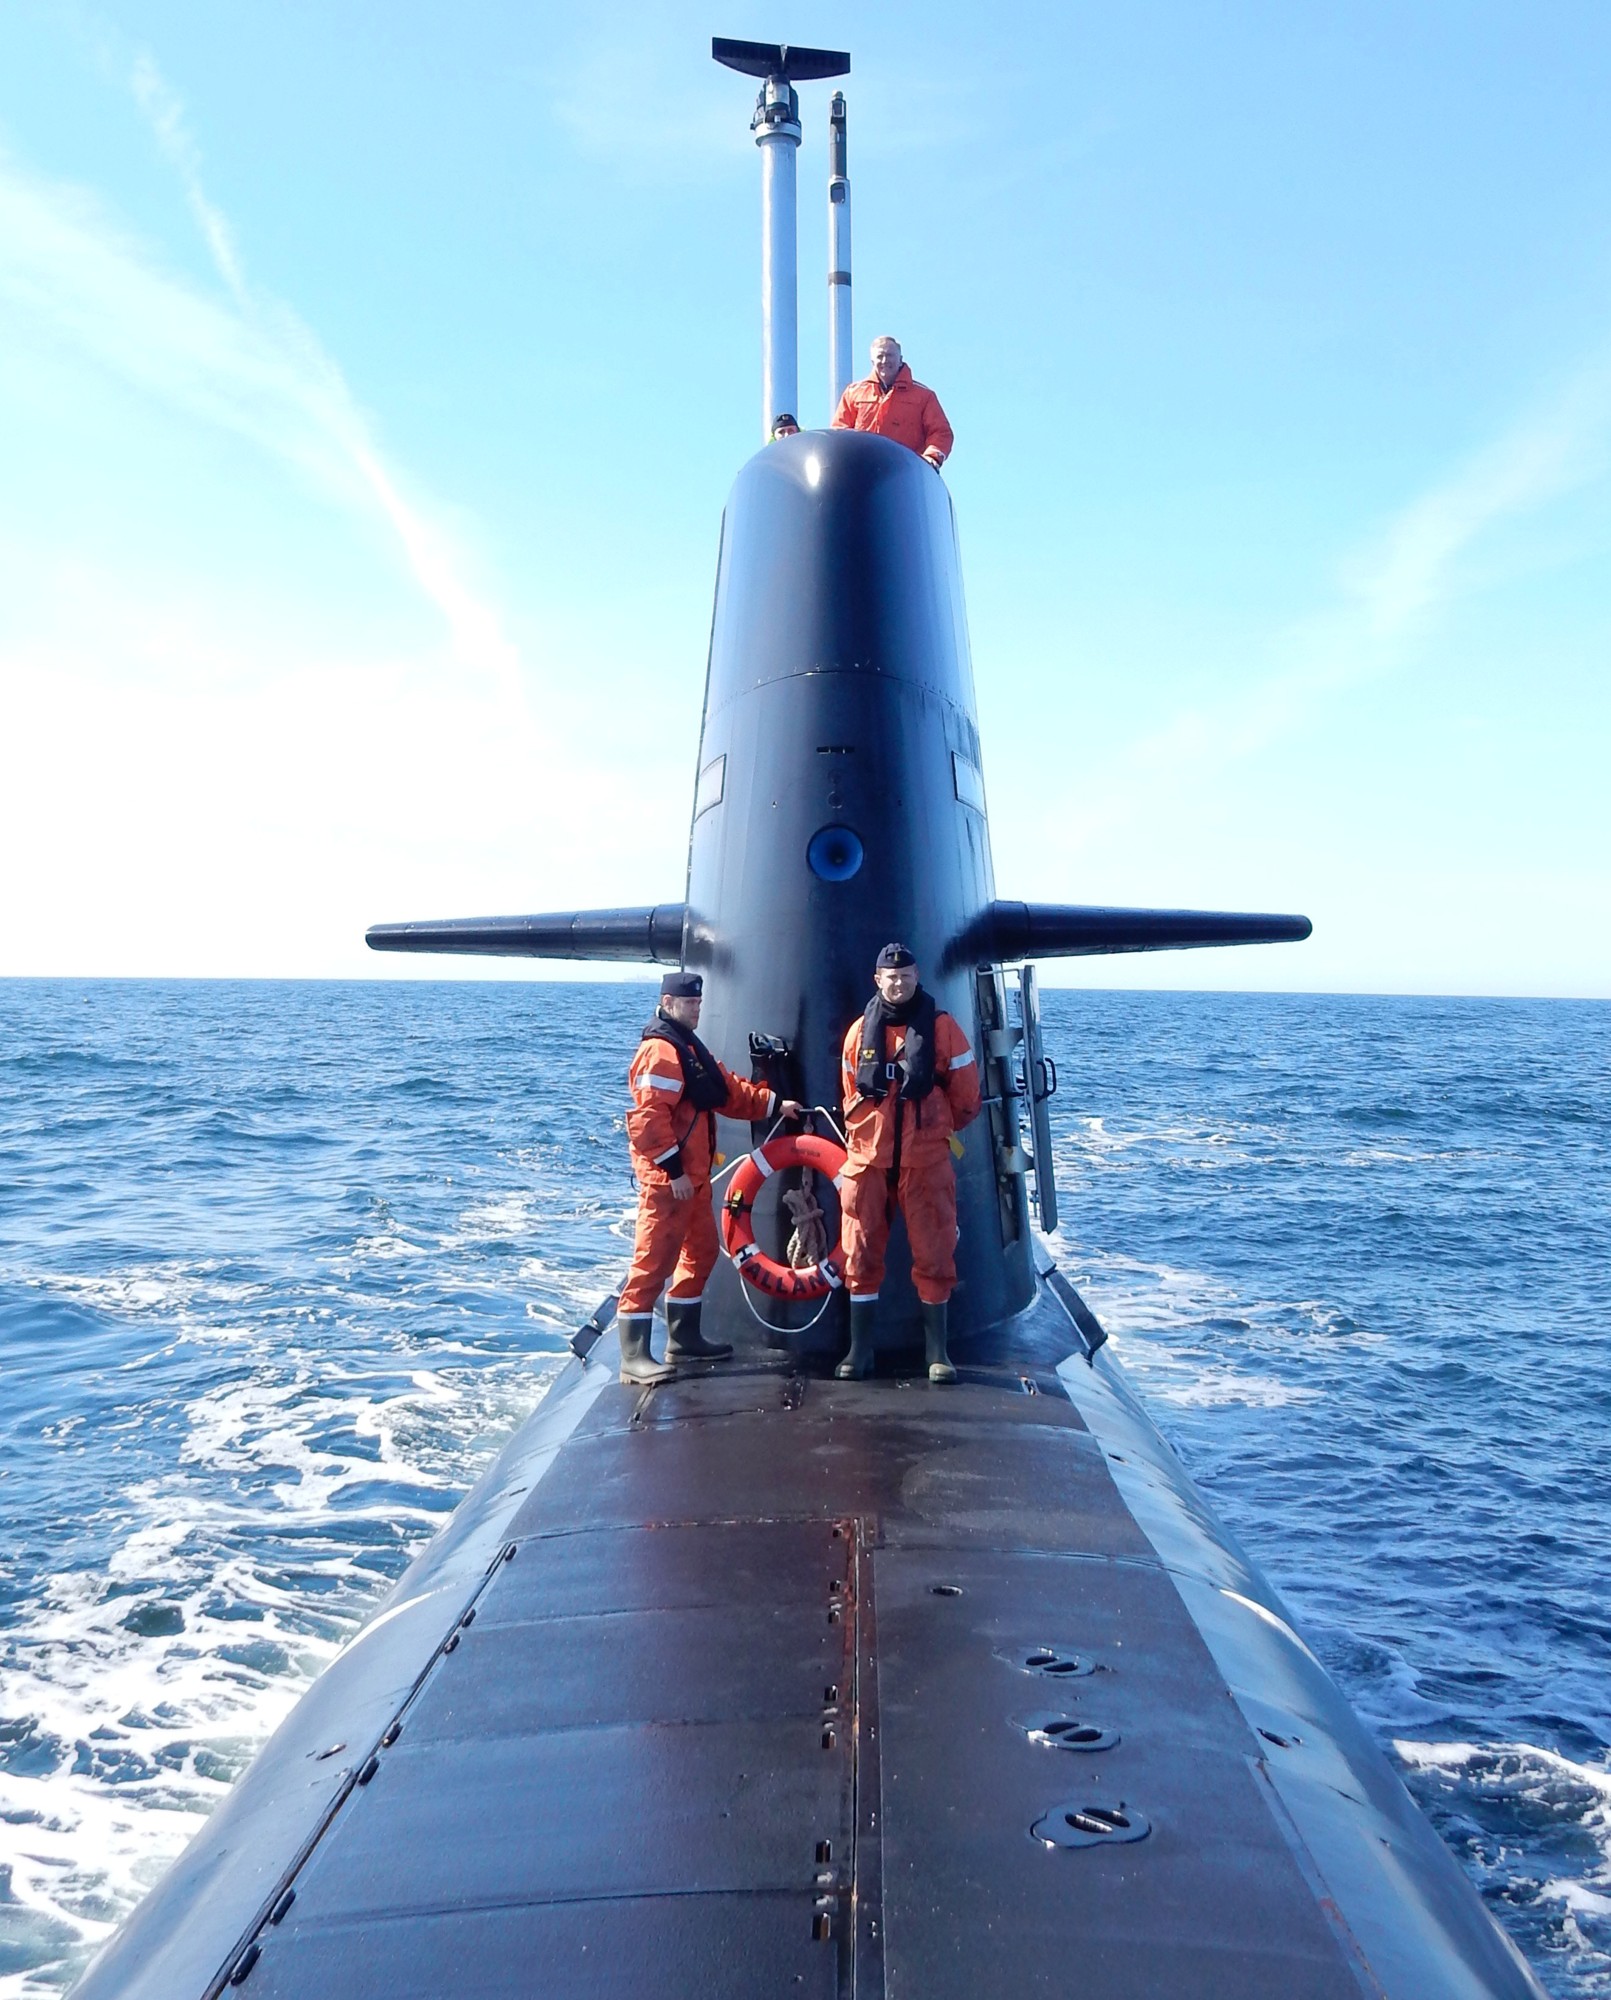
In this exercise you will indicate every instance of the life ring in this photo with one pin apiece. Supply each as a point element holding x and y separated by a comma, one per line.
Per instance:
<point>766,1274</point>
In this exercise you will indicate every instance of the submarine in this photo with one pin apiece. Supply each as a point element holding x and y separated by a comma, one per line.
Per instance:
<point>755,1682</point>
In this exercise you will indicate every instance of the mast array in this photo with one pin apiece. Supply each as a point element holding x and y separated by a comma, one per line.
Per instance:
<point>776,125</point>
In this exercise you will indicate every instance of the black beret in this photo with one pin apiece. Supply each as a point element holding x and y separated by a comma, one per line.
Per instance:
<point>893,957</point>
<point>681,986</point>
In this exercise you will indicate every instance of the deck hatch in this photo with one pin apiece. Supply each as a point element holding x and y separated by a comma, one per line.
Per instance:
<point>715,1727</point>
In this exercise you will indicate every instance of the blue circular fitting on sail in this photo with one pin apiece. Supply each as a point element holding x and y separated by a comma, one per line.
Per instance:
<point>835,853</point>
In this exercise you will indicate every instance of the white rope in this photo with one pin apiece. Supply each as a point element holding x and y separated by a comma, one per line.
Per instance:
<point>761,1320</point>
<point>735,1163</point>
<point>822,1111</point>
<point>744,1284</point>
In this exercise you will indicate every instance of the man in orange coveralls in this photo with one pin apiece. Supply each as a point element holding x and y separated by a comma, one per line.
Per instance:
<point>678,1086</point>
<point>890,402</point>
<point>910,1084</point>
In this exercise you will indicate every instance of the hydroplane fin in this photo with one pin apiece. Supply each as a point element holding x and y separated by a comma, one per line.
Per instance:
<point>651,936</point>
<point>1001,933</point>
<point>1007,931</point>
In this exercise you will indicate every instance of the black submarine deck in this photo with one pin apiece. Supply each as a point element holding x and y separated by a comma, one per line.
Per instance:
<point>759,1683</point>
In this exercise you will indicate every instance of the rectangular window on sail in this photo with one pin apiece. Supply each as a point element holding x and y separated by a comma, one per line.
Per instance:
<point>969,785</point>
<point>708,792</point>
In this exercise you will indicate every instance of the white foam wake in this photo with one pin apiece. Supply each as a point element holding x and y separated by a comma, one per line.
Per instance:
<point>140,1690</point>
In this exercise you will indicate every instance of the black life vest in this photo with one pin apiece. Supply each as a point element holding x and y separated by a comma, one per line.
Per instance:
<point>704,1087</point>
<point>914,1068</point>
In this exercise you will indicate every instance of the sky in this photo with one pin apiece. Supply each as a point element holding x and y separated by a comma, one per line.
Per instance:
<point>372,377</point>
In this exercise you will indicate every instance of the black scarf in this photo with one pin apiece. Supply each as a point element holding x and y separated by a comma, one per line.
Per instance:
<point>916,1066</point>
<point>704,1086</point>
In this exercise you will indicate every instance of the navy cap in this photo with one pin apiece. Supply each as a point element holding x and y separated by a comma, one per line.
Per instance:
<point>681,986</point>
<point>893,957</point>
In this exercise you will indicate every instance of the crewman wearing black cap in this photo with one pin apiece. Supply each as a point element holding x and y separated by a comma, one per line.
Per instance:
<point>910,1084</point>
<point>678,1087</point>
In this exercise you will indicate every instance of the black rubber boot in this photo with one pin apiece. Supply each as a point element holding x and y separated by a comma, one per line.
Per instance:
<point>934,1331</point>
<point>859,1361</point>
<point>638,1364</point>
<point>684,1341</point>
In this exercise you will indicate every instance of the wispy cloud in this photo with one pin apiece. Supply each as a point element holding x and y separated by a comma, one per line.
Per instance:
<point>238,359</point>
<point>313,759</point>
<point>165,114</point>
<point>1389,597</point>
<point>1414,565</point>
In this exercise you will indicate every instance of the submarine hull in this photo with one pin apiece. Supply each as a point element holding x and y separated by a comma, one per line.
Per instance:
<point>755,1682</point>
<point>758,1683</point>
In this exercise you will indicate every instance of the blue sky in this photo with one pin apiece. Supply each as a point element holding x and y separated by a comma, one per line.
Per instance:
<point>372,377</point>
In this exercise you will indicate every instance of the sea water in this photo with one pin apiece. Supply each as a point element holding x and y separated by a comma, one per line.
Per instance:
<point>282,1264</point>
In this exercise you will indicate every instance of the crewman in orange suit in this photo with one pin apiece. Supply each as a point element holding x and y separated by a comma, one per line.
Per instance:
<point>890,402</point>
<point>910,1084</point>
<point>677,1086</point>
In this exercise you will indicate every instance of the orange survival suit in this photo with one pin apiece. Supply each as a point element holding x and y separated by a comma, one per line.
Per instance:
<point>677,1087</point>
<point>902,1104</point>
<point>906,411</point>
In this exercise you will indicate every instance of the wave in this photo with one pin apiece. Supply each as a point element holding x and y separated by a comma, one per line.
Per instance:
<point>1563,1807</point>
<point>1353,1252</point>
<point>141,1688</point>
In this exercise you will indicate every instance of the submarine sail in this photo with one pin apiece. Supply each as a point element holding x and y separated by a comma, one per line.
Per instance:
<point>758,1682</point>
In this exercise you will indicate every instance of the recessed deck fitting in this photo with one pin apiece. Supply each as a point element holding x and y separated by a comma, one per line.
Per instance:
<point>1079,1825</point>
<point>1068,1732</point>
<point>1058,1663</point>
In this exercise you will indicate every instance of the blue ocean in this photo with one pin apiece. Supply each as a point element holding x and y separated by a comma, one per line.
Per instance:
<point>282,1264</point>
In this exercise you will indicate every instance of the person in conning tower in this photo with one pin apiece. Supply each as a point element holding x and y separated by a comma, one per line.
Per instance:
<point>890,402</point>
<point>910,1084</point>
<point>678,1087</point>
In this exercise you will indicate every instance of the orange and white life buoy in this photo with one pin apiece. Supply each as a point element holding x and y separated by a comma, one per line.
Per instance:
<point>778,1281</point>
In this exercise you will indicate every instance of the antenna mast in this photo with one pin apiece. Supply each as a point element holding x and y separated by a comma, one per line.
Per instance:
<point>776,125</point>
<point>839,340</point>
